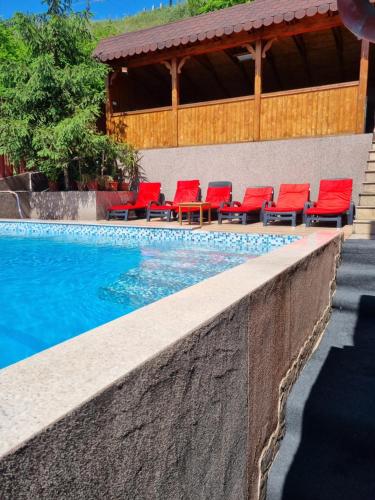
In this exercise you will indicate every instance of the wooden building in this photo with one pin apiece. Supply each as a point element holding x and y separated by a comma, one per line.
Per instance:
<point>269,69</point>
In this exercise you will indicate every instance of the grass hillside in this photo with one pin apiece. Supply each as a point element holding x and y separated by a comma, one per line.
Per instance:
<point>147,19</point>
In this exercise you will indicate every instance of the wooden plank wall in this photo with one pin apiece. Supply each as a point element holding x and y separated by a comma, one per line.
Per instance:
<point>216,123</point>
<point>309,113</point>
<point>143,130</point>
<point>312,112</point>
<point>5,168</point>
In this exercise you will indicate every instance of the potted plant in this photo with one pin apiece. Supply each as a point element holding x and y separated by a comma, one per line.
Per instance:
<point>132,172</point>
<point>123,185</point>
<point>110,183</point>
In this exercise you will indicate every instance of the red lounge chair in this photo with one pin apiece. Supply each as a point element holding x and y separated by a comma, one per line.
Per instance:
<point>218,194</point>
<point>254,201</point>
<point>291,202</point>
<point>186,191</point>
<point>148,192</point>
<point>334,201</point>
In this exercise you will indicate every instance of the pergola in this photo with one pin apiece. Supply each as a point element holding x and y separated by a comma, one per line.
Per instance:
<point>268,69</point>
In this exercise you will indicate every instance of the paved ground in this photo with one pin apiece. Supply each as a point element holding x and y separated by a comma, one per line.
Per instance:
<point>328,452</point>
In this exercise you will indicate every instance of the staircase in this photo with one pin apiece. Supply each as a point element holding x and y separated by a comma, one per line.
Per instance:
<point>364,223</point>
<point>328,452</point>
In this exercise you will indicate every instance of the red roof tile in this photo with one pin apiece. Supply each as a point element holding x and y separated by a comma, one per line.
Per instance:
<point>243,17</point>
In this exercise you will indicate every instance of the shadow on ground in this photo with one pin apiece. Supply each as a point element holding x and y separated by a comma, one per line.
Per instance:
<point>335,459</point>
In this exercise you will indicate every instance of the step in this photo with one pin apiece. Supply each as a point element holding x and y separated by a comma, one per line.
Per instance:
<point>364,227</point>
<point>367,199</point>
<point>370,175</point>
<point>371,165</point>
<point>371,155</point>
<point>368,187</point>
<point>365,213</point>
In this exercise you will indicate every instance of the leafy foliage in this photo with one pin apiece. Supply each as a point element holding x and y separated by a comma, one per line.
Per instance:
<point>51,95</point>
<point>203,6</point>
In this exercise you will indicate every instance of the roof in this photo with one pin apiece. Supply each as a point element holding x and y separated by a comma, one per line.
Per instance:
<point>243,17</point>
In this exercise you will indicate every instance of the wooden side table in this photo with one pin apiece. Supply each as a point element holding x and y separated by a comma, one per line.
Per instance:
<point>195,204</point>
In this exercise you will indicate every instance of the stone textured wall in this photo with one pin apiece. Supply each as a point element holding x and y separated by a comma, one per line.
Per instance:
<point>297,305</point>
<point>262,163</point>
<point>70,205</point>
<point>201,419</point>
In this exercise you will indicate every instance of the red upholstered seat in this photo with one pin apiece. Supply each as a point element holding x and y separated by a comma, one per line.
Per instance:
<point>186,191</point>
<point>252,201</point>
<point>334,197</point>
<point>147,192</point>
<point>216,195</point>
<point>292,198</point>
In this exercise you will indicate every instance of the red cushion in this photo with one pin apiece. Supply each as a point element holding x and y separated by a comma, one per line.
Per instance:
<point>241,209</point>
<point>334,196</point>
<point>186,191</point>
<point>283,209</point>
<point>218,195</point>
<point>148,191</point>
<point>292,198</point>
<point>164,207</point>
<point>255,196</point>
<point>324,211</point>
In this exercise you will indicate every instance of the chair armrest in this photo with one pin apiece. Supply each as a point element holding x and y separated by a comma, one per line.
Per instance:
<point>308,204</point>
<point>225,204</point>
<point>235,204</point>
<point>153,202</point>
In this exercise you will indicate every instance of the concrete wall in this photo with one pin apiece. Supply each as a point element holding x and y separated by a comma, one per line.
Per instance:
<point>75,205</point>
<point>166,406</point>
<point>262,163</point>
<point>64,205</point>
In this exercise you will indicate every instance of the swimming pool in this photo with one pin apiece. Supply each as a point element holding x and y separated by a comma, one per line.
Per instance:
<point>60,280</point>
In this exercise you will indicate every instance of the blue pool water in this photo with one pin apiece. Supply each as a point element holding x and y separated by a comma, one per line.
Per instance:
<point>56,283</point>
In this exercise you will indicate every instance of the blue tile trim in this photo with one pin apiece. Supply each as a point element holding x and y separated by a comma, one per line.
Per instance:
<point>259,243</point>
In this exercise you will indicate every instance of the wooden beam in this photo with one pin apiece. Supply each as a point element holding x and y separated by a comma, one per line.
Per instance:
<point>337,35</point>
<point>205,63</point>
<point>362,87</point>
<point>257,89</point>
<point>306,25</point>
<point>175,96</point>
<point>301,47</point>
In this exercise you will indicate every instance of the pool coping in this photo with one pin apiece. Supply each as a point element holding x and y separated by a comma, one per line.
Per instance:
<point>40,390</point>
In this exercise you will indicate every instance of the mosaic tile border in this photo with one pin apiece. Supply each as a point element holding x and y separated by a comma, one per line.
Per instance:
<point>121,233</point>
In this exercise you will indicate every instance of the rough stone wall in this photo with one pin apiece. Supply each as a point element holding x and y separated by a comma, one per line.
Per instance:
<point>298,307</point>
<point>175,429</point>
<point>262,163</point>
<point>201,420</point>
<point>70,205</point>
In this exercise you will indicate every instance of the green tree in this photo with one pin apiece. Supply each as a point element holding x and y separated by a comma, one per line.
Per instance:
<point>52,93</point>
<point>203,6</point>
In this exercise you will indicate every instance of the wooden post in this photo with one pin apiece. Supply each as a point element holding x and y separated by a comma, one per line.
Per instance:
<point>108,104</point>
<point>257,89</point>
<point>362,87</point>
<point>175,96</point>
